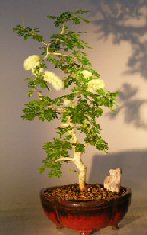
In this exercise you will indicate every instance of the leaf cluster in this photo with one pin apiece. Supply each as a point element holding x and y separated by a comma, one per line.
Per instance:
<point>28,33</point>
<point>39,108</point>
<point>74,17</point>
<point>67,41</point>
<point>54,150</point>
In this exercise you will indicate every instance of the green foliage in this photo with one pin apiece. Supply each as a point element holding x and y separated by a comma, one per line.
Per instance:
<point>74,17</point>
<point>40,109</point>
<point>68,41</point>
<point>28,33</point>
<point>80,148</point>
<point>93,137</point>
<point>65,50</point>
<point>54,150</point>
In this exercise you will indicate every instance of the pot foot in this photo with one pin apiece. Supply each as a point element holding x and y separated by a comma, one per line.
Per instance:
<point>59,226</point>
<point>85,233</point>
<point>115,227</point>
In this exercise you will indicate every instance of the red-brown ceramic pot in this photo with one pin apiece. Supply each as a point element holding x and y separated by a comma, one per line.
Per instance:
<point>86,216</point>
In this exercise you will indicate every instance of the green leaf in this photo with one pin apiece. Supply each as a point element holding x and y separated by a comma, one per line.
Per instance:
<point>40,109</point>
<point>80,148</point>
<point>28,33</point>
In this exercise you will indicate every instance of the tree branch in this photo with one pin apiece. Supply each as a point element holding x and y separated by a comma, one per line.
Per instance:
<point>64,159</point>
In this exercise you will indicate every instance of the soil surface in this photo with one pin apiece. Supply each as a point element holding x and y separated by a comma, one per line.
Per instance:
<point>72,192</point>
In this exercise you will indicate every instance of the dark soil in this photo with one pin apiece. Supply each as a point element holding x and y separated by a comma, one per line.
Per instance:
<point>72,192</point>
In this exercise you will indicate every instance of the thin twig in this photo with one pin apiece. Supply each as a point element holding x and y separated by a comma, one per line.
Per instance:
<point>64,159</point>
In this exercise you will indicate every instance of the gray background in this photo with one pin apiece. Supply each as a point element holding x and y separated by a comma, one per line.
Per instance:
<point>118,36</point>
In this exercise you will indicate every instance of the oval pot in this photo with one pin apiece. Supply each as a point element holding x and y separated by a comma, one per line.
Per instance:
<point>86,216</point>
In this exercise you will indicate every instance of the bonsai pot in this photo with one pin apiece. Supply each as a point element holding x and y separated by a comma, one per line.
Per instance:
<point>86,216</point>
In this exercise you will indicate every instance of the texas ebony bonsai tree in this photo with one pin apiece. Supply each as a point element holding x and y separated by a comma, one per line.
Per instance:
<point>84,96</point>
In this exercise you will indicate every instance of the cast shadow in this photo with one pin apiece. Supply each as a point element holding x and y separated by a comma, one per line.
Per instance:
<point>124,21</point>
<point>128,220</point>
<point>131,107</point>
<point>134,175</point>
<point>133,164</point>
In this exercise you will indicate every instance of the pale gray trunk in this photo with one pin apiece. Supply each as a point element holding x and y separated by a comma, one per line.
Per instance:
<point>82,170</point>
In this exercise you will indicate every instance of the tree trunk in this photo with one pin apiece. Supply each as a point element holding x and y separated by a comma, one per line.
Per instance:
<point>82,177</point>
<point>77,155</point>
<point>82,170</point>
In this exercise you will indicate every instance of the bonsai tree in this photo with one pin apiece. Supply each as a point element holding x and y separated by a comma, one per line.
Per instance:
<point>84,96</point>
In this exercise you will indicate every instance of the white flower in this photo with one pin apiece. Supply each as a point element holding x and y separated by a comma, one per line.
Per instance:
<point>95,84</point>
<point>86,73</point>
<point>31,62</point>
<point>54,80</point>
<point>67,102</point>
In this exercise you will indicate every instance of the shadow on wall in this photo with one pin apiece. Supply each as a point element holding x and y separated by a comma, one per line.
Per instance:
<point>134,109</point>
<point>124,21</point>
<point>134,171</point>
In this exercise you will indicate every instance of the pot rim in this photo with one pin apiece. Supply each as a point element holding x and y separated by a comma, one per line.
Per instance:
<point>86,203</point>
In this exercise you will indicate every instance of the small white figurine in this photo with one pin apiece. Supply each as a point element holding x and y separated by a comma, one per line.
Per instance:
<point>112,182</point>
